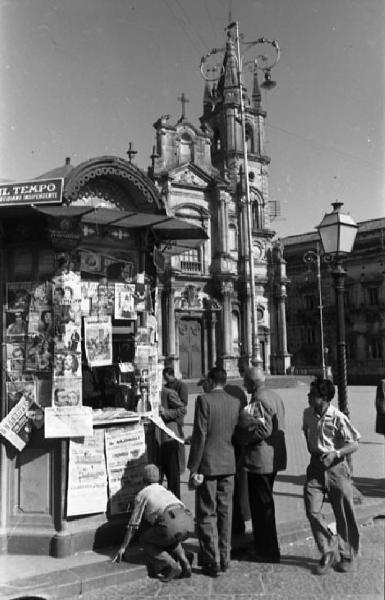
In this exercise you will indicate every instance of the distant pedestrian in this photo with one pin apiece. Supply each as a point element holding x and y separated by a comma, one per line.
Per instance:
<point>172,410</point>
<point>164,523</point>
<point>330,439</point>
<point>380,408</point>
<point>172,383</point>
<point>262,458</point>
<point>212,455</point>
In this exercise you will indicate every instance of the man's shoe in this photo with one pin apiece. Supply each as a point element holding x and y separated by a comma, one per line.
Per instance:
<point>170,573</point>
<point>327,561</point>
<point>211,570</point>
<point>345,565</point>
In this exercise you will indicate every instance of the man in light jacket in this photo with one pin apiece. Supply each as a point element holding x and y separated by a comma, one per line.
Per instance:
<point>262,459</point>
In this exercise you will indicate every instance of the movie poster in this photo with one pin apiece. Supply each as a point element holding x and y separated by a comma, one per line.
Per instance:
<point>125,301</point>
<point>98,340</point>
<point>87,476</point>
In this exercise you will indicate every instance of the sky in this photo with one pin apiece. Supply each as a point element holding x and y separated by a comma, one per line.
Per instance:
<point>83,78</point>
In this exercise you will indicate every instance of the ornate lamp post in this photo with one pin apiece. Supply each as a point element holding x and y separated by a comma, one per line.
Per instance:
<point>311,257</point>
<point>262,63</point>
<point>338,232</point>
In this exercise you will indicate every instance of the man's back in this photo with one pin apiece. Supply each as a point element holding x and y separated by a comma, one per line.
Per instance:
<point>216,416</point>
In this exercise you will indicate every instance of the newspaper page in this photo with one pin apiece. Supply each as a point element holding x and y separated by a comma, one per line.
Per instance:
<point>87,475</point>
<point>158,421</point>
<point>126,455</point>
<point>15,426</point>
<point>68,421</point>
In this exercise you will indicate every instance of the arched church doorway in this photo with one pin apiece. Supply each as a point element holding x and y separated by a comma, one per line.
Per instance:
<point>190,348</point>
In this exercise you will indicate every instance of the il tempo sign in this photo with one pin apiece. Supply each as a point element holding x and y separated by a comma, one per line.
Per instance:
<point>40,191</point>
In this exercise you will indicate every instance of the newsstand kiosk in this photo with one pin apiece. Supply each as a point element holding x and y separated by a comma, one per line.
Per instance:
<point>81,369</point>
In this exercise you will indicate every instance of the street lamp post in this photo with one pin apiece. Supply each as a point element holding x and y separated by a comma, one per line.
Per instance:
<point>312,256</point>
<point>338,232</point>
<point>260,62</point>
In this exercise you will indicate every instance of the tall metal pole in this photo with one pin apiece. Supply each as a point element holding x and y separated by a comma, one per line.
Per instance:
<point>339,284</point>
<point>321,321</point>
<point>256,359</point>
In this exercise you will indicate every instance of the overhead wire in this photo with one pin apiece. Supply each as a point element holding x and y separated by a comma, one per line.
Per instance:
<point>325,147</point>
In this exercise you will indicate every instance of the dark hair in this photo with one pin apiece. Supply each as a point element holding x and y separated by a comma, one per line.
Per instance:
<point>324,387</point>
<point>169,371</point>
<point>218,376</point>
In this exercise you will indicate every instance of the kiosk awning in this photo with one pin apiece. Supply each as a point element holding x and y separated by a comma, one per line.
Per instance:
<point>177,234</point>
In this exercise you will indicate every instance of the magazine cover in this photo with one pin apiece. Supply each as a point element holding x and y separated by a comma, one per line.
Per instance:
<point>15,358</point>
<point>41,295</point>
<point>17,389</point>
<point>98,340</point>
<point>67,288</point>
<point>18,295</point>
<point>67,363</point>
<point>39,354</point>
<point>67,391</point>
<point>16,324</point>
<point>125,301</point>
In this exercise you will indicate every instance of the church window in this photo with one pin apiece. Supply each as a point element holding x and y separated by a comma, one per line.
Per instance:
<point>190,261</point>
<point>373,295</point>
<point>185,148</point>
<point>217,140</point>
<point>249,138</point>
<point>257,214</point>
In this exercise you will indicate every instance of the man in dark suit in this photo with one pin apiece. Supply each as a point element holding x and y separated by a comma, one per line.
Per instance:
<point>212,455</point>
<point>262,459</point>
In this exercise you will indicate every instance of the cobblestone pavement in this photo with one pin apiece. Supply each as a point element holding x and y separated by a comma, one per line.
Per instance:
<point>292,579</point>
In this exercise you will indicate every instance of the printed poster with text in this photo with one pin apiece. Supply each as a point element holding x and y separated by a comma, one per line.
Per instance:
<point>87,475</point>
<point>126,456</point>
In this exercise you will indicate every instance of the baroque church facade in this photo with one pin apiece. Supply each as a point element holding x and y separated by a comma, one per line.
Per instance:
<point>203,296</point>
<point>205,309</point>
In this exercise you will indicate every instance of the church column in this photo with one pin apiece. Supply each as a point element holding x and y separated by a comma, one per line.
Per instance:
<point>226,290</point>
<point>205,325</point>
<point>213,356</point>
<point>159,320</point>
<point>223,237</point>
<point>283,359</point>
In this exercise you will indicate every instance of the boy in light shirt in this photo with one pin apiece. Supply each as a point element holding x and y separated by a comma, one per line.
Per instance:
<point>330,439</point>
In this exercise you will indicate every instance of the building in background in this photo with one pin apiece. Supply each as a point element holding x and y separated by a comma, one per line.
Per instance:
<point>205,292</point>
<point>364,305</point>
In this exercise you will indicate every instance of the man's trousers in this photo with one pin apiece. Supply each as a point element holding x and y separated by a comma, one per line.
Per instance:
<point>263,515</point>
<point>214,499</point>
<point>335,482</point>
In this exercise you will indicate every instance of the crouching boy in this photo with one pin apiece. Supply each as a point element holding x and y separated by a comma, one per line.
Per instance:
<point>165,523</point>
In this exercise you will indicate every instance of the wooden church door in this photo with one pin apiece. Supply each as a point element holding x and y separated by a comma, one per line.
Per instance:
<point>190,348</point>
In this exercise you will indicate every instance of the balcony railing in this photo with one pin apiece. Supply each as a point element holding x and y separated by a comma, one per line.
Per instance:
<point>190,266</point>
